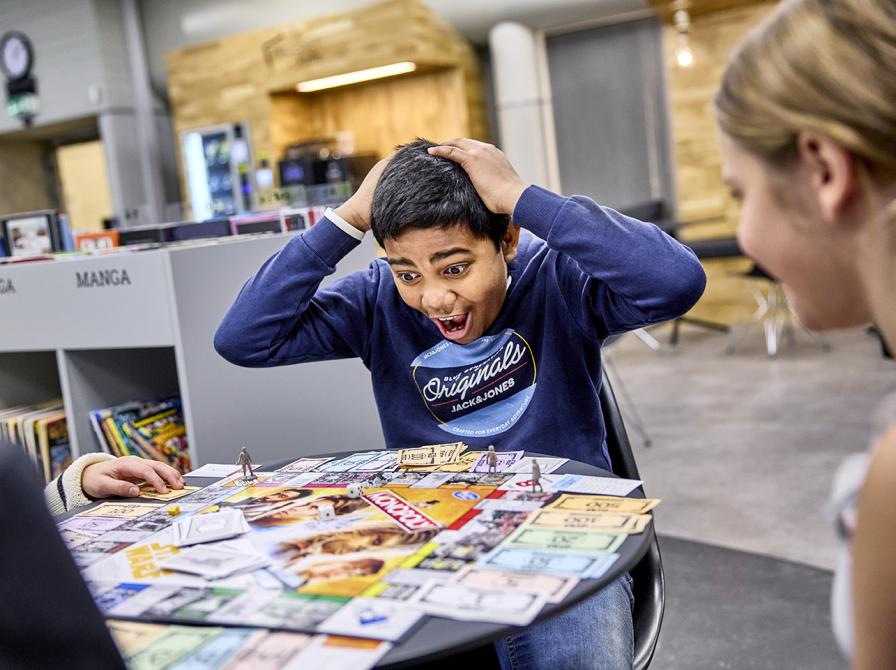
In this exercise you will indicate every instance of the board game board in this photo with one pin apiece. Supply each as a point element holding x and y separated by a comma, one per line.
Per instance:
<point>422,541</point>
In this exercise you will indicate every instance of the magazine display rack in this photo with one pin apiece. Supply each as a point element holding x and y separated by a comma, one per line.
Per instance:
<point>100,330</point>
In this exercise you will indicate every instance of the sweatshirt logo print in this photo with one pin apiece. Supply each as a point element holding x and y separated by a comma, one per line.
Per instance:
<point>479,389</point>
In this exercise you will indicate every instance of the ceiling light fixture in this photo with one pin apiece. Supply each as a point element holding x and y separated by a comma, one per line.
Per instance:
<point>356,77</point>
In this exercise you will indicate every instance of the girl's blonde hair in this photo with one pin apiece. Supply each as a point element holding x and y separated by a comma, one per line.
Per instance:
<point>827,66</point>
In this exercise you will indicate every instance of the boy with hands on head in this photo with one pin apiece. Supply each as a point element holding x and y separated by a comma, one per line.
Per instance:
<point>474,327</point>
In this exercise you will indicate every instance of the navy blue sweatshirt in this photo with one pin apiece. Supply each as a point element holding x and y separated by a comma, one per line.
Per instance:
<point>582,272</point>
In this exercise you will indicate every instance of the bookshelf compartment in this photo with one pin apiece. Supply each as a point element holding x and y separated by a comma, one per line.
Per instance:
<point>28,377</point>
<point>96,378</point>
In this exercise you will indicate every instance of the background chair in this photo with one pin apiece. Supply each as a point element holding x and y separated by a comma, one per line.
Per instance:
<point>772,313</point>
<point>658,213</point>
<point>649,583</point>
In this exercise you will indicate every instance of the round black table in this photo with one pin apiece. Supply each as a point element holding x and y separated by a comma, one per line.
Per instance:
<point>437,637</point>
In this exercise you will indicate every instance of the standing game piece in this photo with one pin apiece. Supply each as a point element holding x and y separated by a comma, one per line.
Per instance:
<point>492,460</point>
<point>245,460</point>
<point>536,476</point>
<point>173,510</point>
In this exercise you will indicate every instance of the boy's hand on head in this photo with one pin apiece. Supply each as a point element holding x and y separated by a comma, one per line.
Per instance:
<point>119,477</point>
<point>494,178</point>
<point>356,210</point>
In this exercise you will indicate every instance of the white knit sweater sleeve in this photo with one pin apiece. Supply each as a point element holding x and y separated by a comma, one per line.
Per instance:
<point>65,492</point>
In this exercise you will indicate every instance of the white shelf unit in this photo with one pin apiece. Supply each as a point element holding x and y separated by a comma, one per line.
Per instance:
<point>77,328</point>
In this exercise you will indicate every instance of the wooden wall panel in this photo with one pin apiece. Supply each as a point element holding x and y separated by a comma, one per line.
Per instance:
<point>381,114</point>
<point>84,178</point>
<point>23,180</point>
<point>251,77</point>
<point>702,195</point>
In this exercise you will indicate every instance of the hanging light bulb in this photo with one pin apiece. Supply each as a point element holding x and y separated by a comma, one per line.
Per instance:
<point>683,54</point>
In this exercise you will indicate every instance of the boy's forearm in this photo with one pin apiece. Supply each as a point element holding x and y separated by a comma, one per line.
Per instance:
<point>640,264</point>
<point>272,302</point>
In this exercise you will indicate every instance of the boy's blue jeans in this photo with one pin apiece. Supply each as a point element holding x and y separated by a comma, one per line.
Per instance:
<point>596,634</point>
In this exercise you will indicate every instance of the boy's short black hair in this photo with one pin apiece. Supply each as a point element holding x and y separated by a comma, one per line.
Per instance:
<point>417,190</point>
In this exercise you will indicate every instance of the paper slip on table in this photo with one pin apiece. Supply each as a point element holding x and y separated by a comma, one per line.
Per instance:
<point>433,637</point>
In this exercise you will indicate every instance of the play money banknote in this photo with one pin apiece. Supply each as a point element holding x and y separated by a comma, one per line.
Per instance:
<point>602,521</point>
<point>582,541</point>
<point>431,454</point>
<point>586,503</point>
<point>588,566</point>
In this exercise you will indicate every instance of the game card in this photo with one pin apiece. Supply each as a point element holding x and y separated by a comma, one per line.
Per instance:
<point>547,465</point>
<point>270,651</point>
<point>415,576</point>
<point>385,461</point>
<point>149,491</point>
<point>131,635</point>
<point>509,504</point>
<point>585,541</point>
<point>175,643</point>
<point>353,462</point>
<point>304,465</point>
<point>523,482</point>
<point>215,562</point>
<point>144,599</point>
<point>331,652</point>
<point>505,460</point>
<point>75,538</point>
<point>295,611</point>
<point>433,480</point>
<point>92,524</point>
<point>217,651</point>
<point>375,618</point>
<point>473,603</point>
<point>611,486</point>
<point>605,521</point>
<point>121,510</point>
<point>214,470</point>
<point>209,527</point>
<point>554,587</point>
<point>241,608</point>
<point>590,503</point>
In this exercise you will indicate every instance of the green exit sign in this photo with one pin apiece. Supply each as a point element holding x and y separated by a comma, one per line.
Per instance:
<point>22,106</point>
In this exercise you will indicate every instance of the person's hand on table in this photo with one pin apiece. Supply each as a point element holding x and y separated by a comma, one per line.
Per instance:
<point>119,477</point>
<point>356,210</point>
<point>493,177</point>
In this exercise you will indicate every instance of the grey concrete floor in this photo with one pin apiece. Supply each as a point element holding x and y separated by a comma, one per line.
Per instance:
<point>744,446</point>
<point>734,610</point>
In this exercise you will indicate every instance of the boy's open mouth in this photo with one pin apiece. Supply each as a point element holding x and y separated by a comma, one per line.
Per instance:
<point>453,327</point>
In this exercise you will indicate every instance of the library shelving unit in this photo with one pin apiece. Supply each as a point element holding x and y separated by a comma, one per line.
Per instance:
<point>100,330</point>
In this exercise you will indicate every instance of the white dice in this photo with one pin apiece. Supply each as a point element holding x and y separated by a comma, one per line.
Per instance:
<point>353,490</point>
<point>326,512</point>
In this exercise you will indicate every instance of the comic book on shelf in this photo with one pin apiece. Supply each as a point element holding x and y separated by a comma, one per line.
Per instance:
<point>150,429</point>
<point>53,444</point>
<point>41,431</point>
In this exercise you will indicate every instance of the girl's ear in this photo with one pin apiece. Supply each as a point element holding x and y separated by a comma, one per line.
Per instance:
<point>833,177</point>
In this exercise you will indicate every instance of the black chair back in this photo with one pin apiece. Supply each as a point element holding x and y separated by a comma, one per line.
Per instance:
<point>648,581</point>
<point>48,619</point>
